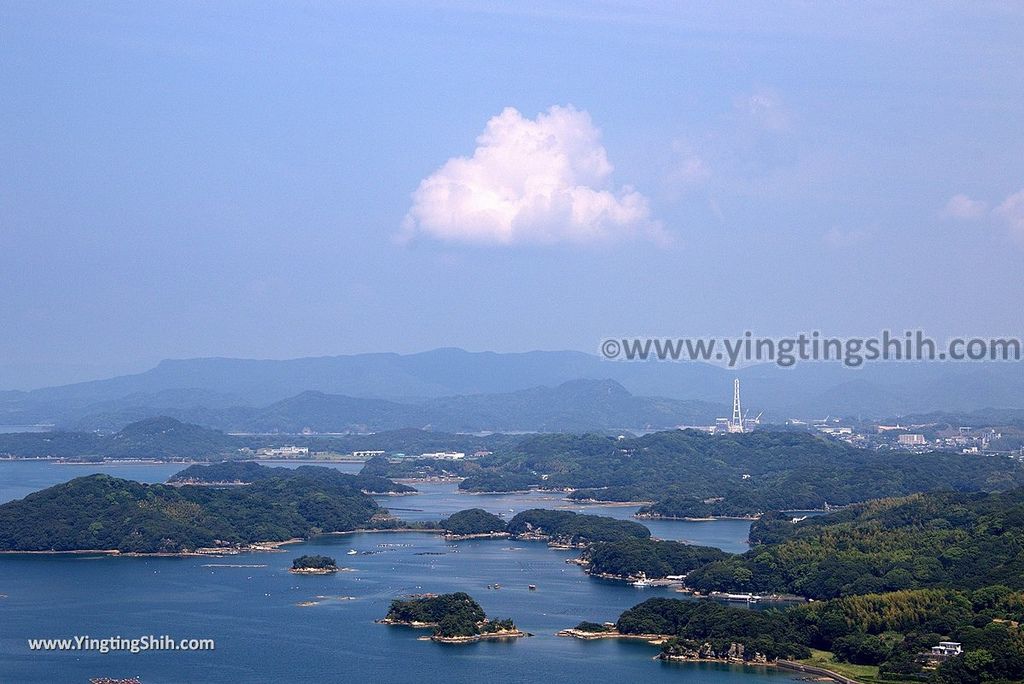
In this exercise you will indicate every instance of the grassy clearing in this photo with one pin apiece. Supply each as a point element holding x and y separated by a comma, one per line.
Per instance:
<point>862,673</point>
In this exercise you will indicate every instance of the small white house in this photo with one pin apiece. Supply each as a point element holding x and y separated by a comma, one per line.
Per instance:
<point>947,649</point>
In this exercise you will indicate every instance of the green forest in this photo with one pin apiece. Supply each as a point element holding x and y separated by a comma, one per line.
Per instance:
<point>770,633</point>
<point>314,562</point>
<point>891,630</point>
<point>563,527</point>
<point>106,513</point>
<point>688,473</point>
<point>946,539</point>
<point>156,438</point>
<point>473,521</point>
<point>451,615</point>
<point>574,528</point>
<point>631,557</point>
<point>248,472</point>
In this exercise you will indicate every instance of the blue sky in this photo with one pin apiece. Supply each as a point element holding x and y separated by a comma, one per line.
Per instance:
<point>291,179</point>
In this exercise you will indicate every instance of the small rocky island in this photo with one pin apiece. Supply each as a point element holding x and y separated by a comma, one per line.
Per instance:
<point>314,565</point>
<point>455,618</point>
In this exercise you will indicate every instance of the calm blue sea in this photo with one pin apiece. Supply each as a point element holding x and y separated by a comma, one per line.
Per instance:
<point>263,635</point>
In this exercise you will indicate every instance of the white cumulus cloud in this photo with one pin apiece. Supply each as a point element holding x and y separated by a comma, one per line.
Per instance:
<point>1012,212</point>
<point>543,180</point>
<point>964,208</point>
<point>1009,212</point>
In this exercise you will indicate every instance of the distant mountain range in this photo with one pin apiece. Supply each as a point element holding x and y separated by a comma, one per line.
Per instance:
<point>575,406</point>
<point>452,389</point>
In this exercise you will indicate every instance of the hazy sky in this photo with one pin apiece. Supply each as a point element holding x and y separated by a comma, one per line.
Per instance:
<point>290,179</point>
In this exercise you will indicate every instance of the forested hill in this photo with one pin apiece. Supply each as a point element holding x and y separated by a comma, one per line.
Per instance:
<point>689,473</point>
<point>167,438</point>
<point>102,512</point>
<point>889,630</point>
<point>248,472</point>
<point>946,539</point>
<point>157,438</point>
<point>574,528</point>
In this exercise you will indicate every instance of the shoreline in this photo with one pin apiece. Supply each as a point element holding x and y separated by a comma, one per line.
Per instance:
<point>386,530</point>
<point>215,551</point>
<point>113,461</point>
<point>609,504</point>
<point>796,666</point>
<point>202,552</point>
<point>708,518</point>
<point>317,571</point>
<point>487,636</point>
<point>721,661</point>
<point>223,484</point>
<point>659,639</point>
<point>477,535</point>
<point>490,636</point>
<point>573,633</point>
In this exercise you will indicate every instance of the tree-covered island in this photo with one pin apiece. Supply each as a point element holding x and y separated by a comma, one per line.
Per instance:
<point>314,565</point>
<point>104,513</point>
<point>455,618</point>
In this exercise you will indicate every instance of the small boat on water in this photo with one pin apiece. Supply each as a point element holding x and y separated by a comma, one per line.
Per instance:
<point>352,552</point>
<point>532,587</point>
<point>642,582</point>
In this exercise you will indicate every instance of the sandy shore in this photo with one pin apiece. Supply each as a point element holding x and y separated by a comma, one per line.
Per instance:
<point>200,552</point>
<point>480,535</point>
<point>316,571</point>
<point>505,634</point>
<point>655,639</point>
<point>710,518</point>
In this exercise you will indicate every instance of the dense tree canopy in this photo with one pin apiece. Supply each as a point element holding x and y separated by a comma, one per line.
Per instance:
<point>770,633</point>
<point>103,512</point>
<point>950,540</point>
<point>247,472</point>
<point>694,474</point>
<point>156,438</point>
<point>893,630</point>
<point>451,615</point>
<point>631,557</point>
<point>574,528</point>
<point>473,521</point>
<point>314,562</point>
